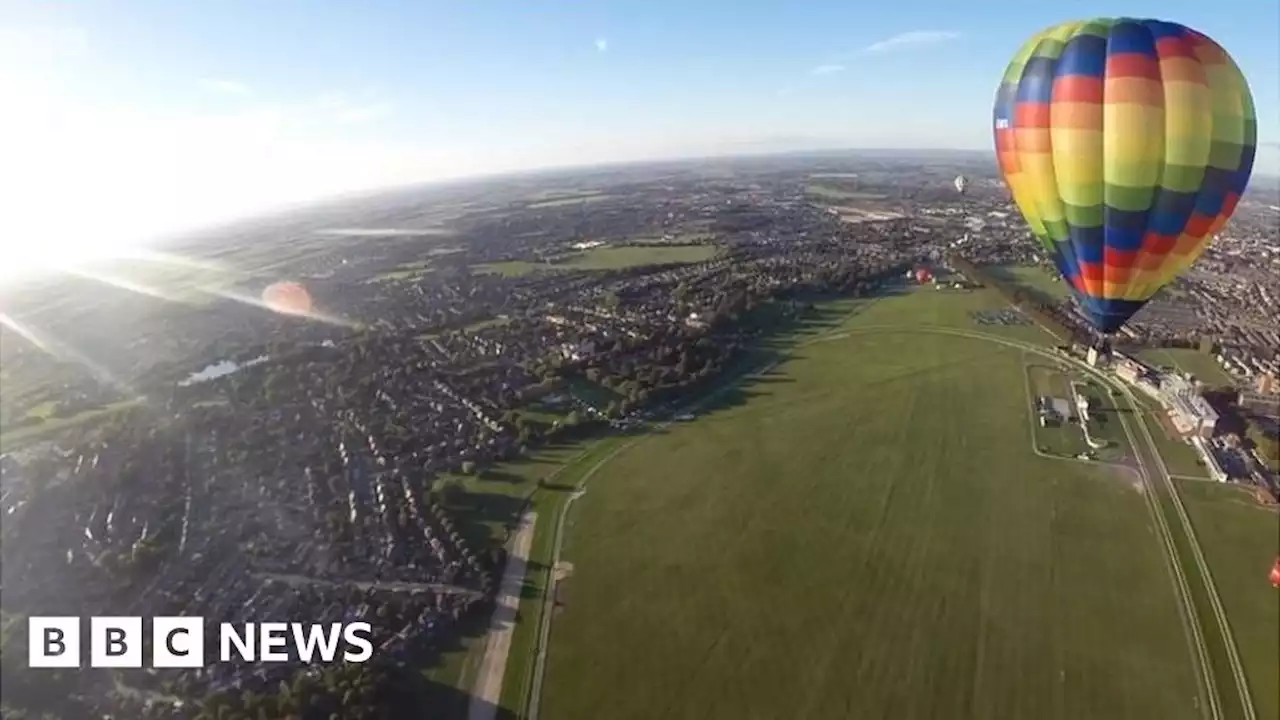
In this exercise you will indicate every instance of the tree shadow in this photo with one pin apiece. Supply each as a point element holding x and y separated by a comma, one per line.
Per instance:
<point>529,590</point>
<point>477,513</point>
<point>503,476</point>
<point>445,702</point>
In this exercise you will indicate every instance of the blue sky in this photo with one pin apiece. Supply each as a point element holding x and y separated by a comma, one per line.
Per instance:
<point>158,115</point>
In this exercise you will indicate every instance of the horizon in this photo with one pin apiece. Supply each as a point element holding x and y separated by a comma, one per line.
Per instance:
<point>138,124</point>
<point>17,282</point>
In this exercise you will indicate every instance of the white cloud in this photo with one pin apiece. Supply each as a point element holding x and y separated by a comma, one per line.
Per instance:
<point>827,69</point>
<point>227,87</point>
<point>914,38</point>
<point>602,44</point>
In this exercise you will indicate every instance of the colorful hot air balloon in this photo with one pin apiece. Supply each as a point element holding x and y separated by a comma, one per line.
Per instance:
<point>289,298</point>
<point>923,275</point>
<point>1275,574</point>
<point>1126,144</point>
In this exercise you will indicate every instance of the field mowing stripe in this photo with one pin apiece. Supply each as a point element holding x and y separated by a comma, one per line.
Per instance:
<point>1200,653</point>
<point>1196,644</point>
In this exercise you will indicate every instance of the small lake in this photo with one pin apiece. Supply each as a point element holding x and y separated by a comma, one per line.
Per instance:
<point>221,369</point>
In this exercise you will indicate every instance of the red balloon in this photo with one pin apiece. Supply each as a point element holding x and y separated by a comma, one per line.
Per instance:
<point>923,276</point>
<point>289,298</point>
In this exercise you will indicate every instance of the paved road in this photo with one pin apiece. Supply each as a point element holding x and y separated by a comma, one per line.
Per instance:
<point>487,692</point>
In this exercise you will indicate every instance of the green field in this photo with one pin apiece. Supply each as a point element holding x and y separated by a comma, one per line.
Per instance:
<point>1203,365</point>
<point>576,199</point>
<point>1178,455</point>
<point>607,258</point>
<point>864,532</point>
<point>1064,439</point>
<point>1240,540</point>
<point>10,439</point>
<point>830,192</point>
<point>1032,276</point>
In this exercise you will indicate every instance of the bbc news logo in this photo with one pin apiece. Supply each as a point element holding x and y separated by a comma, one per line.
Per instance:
<point>178,642</point>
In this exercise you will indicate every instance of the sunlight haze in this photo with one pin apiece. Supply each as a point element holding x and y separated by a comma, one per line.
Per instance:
<point>130,121</point>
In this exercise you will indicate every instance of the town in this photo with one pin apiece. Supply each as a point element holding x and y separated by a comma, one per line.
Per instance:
<point>175,447</point>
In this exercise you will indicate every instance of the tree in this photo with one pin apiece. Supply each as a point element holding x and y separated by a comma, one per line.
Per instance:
<point>1267,447</point>
<point>452,492</point>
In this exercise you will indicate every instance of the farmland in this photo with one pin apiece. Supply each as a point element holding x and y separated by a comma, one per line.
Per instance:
<point>572,199</point>
<point>609,258</point>
<point>834,193</point>
<point>864,532</point>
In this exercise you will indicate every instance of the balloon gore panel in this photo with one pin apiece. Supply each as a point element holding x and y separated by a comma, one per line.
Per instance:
<point>1126,145</point>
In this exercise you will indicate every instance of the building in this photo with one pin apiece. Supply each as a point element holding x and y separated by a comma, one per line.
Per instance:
<point>1268,384</point>
<point>1259,404</point>
<point>1210,460</point>
<point>1190,413</point>
<point>1062,408</point>
<point>1130,371</point>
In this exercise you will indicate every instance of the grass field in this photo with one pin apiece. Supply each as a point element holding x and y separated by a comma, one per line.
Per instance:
<point>10,439</point>
<point>576,199</point>
<point>1065,438</point>
<point>1034,277</point>
<point>865,533</point>
<point>608,258</point>
<point>1179,457</point>
<point>1240,540</point>
<point>830,192</point>
<point>1203,365</point>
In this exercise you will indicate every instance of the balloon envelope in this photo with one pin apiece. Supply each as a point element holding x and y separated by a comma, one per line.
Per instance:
<point>290,298</point>
<point>961,182</point>
<point>1126,145</point>
<point>923,276</point>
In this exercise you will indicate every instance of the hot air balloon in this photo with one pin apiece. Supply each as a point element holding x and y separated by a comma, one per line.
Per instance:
<point>1275,574</point>
<point>923,275</point>
<point>1126,145</point>
<point>289,298</point>
<point>961,183</point>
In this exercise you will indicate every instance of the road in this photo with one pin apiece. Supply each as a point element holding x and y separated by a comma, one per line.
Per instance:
<point>487,692</point>
<point>394,586</point>
<point>1196,641</point>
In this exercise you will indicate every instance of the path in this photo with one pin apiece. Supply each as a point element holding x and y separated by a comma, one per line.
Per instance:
<point>487,692</point>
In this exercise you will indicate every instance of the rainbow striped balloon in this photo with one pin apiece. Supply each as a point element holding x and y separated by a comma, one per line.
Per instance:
<point>1126,144</point>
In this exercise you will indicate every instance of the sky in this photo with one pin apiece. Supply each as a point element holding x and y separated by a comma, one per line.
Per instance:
<point>127,120</point>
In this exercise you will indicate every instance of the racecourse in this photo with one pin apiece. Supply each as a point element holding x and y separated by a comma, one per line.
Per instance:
<point>867,532</point>
<point>1240,541</point>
